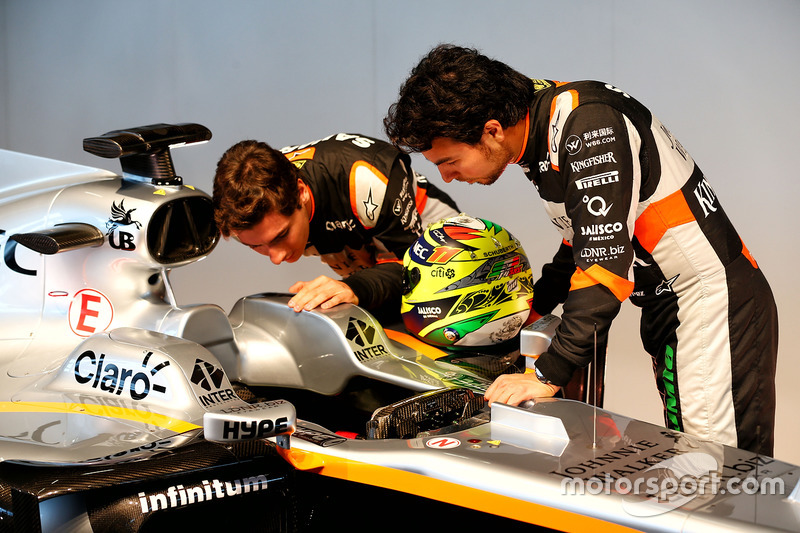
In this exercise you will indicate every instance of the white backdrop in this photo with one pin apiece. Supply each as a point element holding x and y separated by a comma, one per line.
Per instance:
<point>721,74</point>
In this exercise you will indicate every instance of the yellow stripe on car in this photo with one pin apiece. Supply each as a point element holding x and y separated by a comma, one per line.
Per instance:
<point>123,413</point>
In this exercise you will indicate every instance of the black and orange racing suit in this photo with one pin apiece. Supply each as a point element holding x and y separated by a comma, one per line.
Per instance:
<point>640,221</point>
<point>369,206</point>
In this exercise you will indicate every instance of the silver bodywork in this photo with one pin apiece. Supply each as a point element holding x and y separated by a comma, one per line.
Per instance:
<point>101,365</point>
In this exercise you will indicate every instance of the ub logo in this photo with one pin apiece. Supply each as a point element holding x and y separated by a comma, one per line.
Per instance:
<point>121,217</point>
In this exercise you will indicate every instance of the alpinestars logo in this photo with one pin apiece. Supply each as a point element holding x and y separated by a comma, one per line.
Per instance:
<point>205,375</point>
<point>370,206</point>
<point>554,132</point>
<point>360,332</point>
<point>666,285</point>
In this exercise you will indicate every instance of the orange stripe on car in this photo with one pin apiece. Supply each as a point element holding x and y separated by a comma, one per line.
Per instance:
<point>415,344</point>
<point>445,491</point>
<point>660,216</point>
<point>597,275</point>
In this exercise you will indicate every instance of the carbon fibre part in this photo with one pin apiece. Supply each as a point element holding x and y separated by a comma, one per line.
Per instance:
<point>60,238</point>
<point>424,412</point>
<point>147,495</point>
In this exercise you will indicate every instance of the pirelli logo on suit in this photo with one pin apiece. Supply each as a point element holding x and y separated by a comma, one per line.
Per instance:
<point>600,179</point>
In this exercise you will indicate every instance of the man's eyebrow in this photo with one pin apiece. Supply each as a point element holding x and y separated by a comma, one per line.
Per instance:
<point>277,236</point>
<point>281,233</point>
<point>442,160</point>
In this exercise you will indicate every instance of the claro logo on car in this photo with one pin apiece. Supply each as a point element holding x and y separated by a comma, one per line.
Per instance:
<point>115,378</point>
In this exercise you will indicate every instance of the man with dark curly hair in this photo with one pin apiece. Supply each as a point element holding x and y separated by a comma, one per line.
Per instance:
<point>639,221</point>
<point>350,199</point>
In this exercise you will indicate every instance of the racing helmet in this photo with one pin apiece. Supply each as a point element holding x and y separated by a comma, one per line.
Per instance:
<point>466,282</point>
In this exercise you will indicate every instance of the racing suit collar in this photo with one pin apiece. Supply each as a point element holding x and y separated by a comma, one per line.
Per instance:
<point>524,138</point>
<point>313,205</point>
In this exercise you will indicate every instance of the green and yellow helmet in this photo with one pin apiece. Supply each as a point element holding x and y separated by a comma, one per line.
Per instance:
<point>466,282</point>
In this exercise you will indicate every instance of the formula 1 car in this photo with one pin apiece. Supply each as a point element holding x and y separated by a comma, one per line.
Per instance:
<point>121,410</point>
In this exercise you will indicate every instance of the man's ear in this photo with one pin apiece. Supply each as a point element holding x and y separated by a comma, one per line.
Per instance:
<point>494,129</point>
<point>303,191</point>
<point>305,197</point>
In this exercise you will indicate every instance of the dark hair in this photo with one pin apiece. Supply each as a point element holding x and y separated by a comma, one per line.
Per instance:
<point>252,181</point>
<point>452,93</point>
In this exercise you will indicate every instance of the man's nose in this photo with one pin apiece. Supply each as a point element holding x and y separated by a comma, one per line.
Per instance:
<point>277,255</point>
<point>447,176</point>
